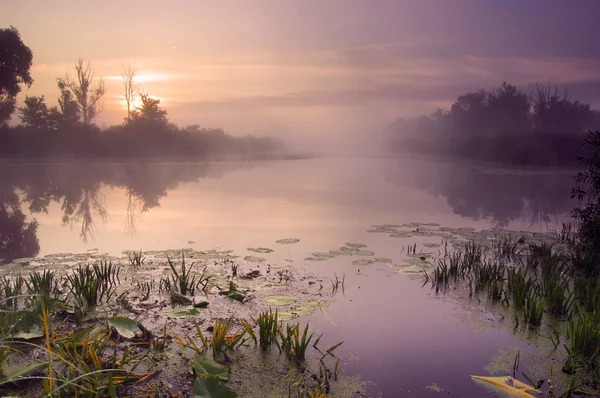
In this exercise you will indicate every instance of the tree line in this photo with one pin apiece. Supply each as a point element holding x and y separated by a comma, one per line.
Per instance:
<point>543,126</point>
<point>68,129</point>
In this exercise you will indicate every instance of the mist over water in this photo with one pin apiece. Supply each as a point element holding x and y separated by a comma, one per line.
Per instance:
<point>120,206</point>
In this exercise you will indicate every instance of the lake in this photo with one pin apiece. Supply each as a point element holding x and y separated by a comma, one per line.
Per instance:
<point>404,337</point>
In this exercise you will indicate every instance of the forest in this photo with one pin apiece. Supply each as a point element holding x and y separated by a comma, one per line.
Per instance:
<point>542,126</point>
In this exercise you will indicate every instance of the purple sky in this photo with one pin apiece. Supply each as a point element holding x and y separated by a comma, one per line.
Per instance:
<point>323,67</point>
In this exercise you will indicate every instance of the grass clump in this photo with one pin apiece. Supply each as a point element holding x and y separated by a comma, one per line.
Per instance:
<point>183,282</point>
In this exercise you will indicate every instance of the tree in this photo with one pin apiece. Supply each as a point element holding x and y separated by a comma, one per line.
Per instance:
<point>508,110</point>
<point>588,193</point>
<point>130,89</point>
<point>150,110</point>
<point>34,113</point>
<point>554,112</point>
<point>15,63</point>
<point>88,99</point>
<point>67,114</point>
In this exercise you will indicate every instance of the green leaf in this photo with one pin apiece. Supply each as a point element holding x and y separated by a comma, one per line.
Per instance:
<point>201,304</point>
<point>180,298</point>
<point>211,387</point>
<point>34,333</point>
<point>126,327</point>
<point>92,333</point>
<point>181,312</point>
<point>17,375</point>
<point>235,295</point>
<point>205,367</point>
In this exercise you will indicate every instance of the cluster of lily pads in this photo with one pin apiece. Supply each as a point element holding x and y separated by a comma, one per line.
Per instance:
<point>64,333</point>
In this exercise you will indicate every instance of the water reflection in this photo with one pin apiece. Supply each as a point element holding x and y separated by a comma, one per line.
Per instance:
<point>78,191</point>
<point>18,236</point>
<point>537,198</point>
<point>366,191</point>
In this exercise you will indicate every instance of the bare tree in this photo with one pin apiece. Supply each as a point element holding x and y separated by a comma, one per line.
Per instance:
<point>131,89</point>
<point>89,99</point>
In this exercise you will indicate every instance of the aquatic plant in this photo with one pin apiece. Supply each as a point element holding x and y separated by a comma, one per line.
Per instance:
<point>335,284</point>
<point>267,328</point>
<point>220,341</point>
<point>106,272</point>
<point>44,283</point>
<point>518,286</point>
<point>534,309</point>
<point>136,259</point>
<point>184,282</point>
<point>584,335</point>
<point>86,288</point>
<point>587,291</point>
<point>292,344</point>
<point>10,289</point>
<point>507,247</point>
<point>144,287</point>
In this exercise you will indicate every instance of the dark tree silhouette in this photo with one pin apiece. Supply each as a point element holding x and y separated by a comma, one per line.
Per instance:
<point>18,237</point>
<point>150,110</point>
<point>131,89</point>
<point>34,113</point>
<point>556,113</point>
<point>89,100</point>
<point>15,63</point>
<point>502,125</point>
<point>588,192</point>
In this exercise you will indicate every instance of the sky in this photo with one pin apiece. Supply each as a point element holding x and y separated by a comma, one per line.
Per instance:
<point>309,68</point>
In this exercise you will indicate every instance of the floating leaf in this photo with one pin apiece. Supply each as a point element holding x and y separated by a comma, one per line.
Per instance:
<point>288,241</point>
<point>34,333</point>
<point>180,298</point>
<point>80,337</point>
<point>126,327</point>
<point>205,367</point>
<point>356,245</point>
<point>201,304</point>
<point>16,375</point>
<point>182,312</point>
<point>211,387</point>
<point>279,300</point>
<point>302,309</point>
<point>263,250</point>
<point>233,293</point>
<point>254,259</point>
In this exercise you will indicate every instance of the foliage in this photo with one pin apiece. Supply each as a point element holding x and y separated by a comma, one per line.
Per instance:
<point>89,100</point>
<point>15,65</point>
<point>502,125</point>
<point>588,192</point>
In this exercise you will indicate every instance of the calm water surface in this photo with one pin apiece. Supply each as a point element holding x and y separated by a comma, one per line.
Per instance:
<point>405,338</point>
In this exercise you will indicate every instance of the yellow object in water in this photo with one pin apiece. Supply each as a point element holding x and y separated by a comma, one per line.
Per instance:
<point>508,385</point>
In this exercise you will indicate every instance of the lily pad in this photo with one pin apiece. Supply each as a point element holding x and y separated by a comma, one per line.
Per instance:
<point>363,261</point>
<point>205,367</point>
<point>211,387</point>
<point>356,245</point>
<point>182,312</point>
<point>365,253</point>
<point>287,241</point>
<point>21,374</point>
<point>254,259</point>
<point>34,333</point>
<point>233,293</point>
<point>263,250</point>
<point>126,327</point>
<point>279,300</point>
<point>302,309</point>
